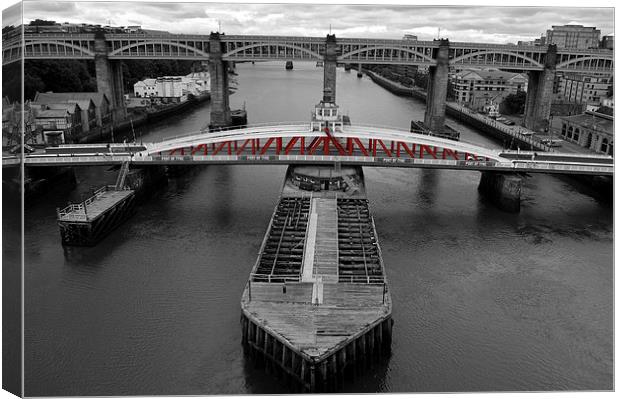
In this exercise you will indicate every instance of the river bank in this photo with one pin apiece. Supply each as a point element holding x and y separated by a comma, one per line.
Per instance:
<point>510,137</point>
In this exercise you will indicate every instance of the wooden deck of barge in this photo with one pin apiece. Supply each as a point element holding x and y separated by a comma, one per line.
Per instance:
<point>317,300</point>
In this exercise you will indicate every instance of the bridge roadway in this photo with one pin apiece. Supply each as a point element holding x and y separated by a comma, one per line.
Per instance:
<point>298,144</point>
<point>285,48</point>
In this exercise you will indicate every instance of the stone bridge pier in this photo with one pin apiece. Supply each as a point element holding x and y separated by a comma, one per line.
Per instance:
<point>109,77</point>
<point>329,68</point>
<point>218,69</point>
<point>502,189</point>
<point>437,90</point>
<point>540,93</point>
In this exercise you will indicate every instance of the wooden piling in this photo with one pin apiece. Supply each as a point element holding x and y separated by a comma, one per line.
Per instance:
<point>371,339</point>
<point>312,378</point>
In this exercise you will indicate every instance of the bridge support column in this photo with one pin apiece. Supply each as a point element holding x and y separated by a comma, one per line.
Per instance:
<point>329,69</point>
<point>504,189</point>
<point>437,90</point>
<point>109,77</point>
<point>540,93</point>
<point>218,69</point>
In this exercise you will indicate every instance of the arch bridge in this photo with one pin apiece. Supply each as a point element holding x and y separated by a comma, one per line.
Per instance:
<point>541,62</point>
<point>264,48</point>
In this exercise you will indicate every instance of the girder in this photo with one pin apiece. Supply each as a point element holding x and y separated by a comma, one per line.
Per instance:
<point>253,47</point>
<point>357,139</point>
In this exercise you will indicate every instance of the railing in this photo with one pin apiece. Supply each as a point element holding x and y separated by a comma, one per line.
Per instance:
<point>229,128</point>
<point>81,207</point>
<point>274,278</point>
<point>361,279</point>
<point>79,210</point>
<point>58,158</point>
<point>500,126</point>
<point>122,174</point>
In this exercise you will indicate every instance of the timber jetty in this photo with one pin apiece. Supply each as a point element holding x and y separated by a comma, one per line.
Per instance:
<point>317,303</point>
<point>87,222</point>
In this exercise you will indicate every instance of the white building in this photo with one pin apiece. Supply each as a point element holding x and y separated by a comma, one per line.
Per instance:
<point>145,88</point>
<point>173,88</point>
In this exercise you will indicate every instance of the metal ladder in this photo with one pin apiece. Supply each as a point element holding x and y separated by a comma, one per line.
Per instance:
<point>122,174</point>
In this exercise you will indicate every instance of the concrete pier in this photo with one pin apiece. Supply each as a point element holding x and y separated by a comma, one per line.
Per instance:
<point>329,67</point>
<point>540,93</point>
<point>504,189</point>
<point>218,69</point>
<point>435,115</point>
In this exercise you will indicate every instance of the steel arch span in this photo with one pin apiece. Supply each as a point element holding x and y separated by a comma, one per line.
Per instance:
<point>300,140</point>
<point>126,50</point>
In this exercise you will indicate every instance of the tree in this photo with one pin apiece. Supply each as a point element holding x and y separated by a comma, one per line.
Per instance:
<point>41,22</point>
<point>421,80</point>
<point>514,103</point>
<point>606,110</point>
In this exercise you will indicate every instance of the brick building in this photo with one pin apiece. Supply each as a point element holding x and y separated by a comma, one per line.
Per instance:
<point>590,130</point>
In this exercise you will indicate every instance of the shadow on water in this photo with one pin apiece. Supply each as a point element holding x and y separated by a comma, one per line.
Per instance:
<point>223,196</point>
<point>427,187</point>
<point>364,377</point>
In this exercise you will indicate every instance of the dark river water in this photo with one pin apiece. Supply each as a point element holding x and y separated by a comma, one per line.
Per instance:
<point>483,300</point>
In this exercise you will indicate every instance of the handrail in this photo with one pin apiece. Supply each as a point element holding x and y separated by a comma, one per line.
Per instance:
<point>82,205</point>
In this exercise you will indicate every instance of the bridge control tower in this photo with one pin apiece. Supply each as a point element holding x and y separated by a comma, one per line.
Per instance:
<point>327,114</point>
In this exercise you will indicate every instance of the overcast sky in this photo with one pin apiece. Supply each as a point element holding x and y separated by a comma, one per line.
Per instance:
<point>457,23</point>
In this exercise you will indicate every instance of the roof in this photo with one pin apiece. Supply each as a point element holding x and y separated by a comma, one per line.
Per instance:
<point>45,98</point>
<point>487,74</point>
<point>146,82</point>
<point>69,106</point>
<point>592,122</point>
<point>53,113</point>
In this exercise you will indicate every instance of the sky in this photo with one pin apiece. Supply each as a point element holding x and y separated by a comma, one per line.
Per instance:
<point>465,23</point>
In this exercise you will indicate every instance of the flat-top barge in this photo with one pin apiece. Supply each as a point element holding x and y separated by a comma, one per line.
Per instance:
<point>317,302</point>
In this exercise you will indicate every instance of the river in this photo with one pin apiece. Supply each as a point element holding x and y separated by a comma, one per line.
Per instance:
<point>482,300</point>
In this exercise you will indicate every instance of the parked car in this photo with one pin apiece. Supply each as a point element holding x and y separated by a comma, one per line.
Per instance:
<point>552,142</point>
<point>508,122</point>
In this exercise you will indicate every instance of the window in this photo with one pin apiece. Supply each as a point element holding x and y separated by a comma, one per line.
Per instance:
<point>564,129</point>
<point>604,145</point>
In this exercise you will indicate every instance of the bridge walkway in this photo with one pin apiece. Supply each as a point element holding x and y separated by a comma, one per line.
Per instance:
<point>326,244</point>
